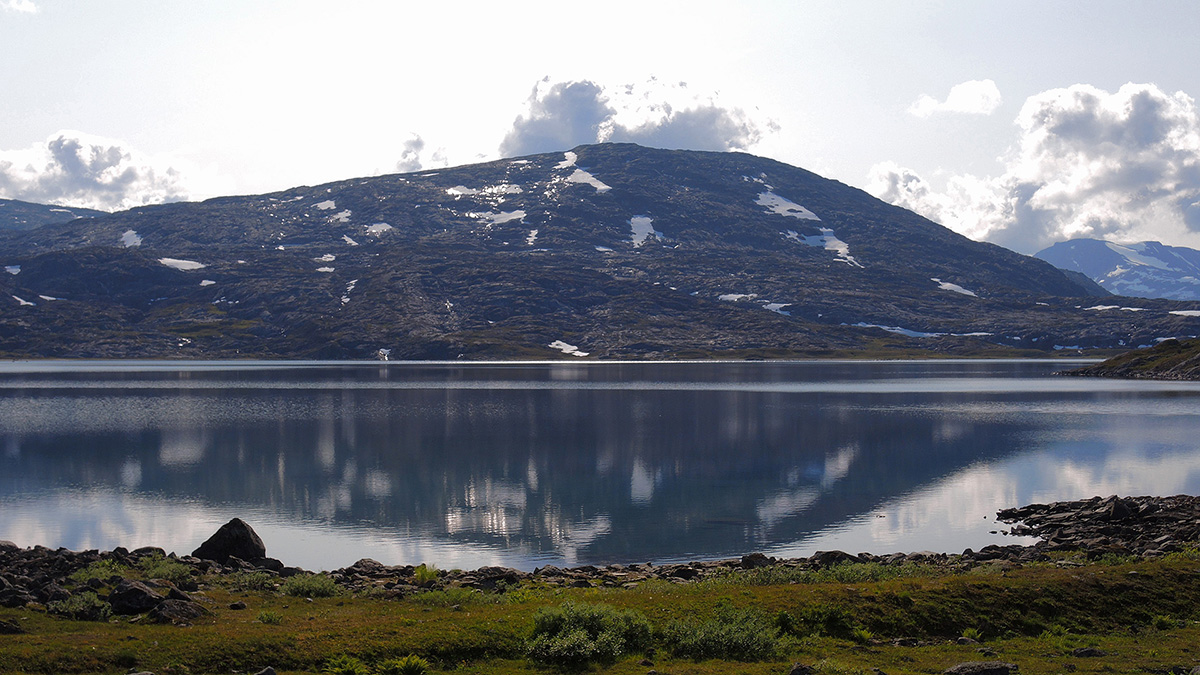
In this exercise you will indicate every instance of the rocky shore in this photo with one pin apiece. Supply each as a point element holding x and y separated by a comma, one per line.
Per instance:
<point>1129,526</point>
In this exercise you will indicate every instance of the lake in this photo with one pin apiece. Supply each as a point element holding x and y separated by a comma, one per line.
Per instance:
<point>527,464</point>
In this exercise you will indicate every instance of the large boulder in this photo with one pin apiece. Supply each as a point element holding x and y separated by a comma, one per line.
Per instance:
<point>133,597</point>
<point>236,539</point>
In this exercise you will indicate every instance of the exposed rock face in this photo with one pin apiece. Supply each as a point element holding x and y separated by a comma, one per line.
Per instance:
<point>234,539</point>
<point>175,611</point>
<point>1146,526</point>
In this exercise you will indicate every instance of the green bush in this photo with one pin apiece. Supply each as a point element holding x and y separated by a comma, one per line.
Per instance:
<point>310,586</point>
<point>573,635</point>
<point>101,569</point>
<point>158,567</point>
<point>409,665</point>
<point>270,618</point>
<point>345,665</point>
<point>827,620</point>
<point>252,581</point>
<point>85,606</point>
<point>423,573</point>
<point>738,634</point>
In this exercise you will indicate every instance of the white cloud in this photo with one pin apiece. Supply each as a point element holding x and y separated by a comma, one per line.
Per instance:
<point>25,6</point>
<point>974,97</point>
<point>561,115</point>
<point>75,169</point>
<point>410,158</point>
<point>1088,163</point>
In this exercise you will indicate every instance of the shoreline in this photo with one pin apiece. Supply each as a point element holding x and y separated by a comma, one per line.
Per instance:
<point>1141,527</point>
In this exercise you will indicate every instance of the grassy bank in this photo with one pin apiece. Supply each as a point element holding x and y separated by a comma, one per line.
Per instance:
<point>848,619</point>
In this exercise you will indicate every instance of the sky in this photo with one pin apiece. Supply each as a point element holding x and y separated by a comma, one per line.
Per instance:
<point>1022,122</point>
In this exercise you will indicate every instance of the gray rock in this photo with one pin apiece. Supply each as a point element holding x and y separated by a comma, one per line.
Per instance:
<point>1087,652</point>
<point>982,668</point>
<point>266,671</point>
<point>133,597</point>
<point>801,669</point>
<point>10,628</point>
<point>234,538</point>
<point>175,611</point>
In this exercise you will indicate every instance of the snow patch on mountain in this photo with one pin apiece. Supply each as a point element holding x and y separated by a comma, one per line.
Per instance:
<point>531,238</point>
<point>327,205</point>
<point>826,240</point>
<point>130,239</point>
<point>207,282</point>
<point>342,216</point>
<point>499,218</point>
<point>375,230</point>
<point>581,176</point>
<point>182,265</point>
<point>783,206</point>
<point>566,348</point>
<point>13,269</point>
<point>346,238</point>
<point>569,159</point>
<point>947,286</point>
<point>642,228</point>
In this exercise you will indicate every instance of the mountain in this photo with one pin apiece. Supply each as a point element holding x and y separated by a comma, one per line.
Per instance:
<point>18,215</point>
<point>1147,269</point>
<point>610,250</point>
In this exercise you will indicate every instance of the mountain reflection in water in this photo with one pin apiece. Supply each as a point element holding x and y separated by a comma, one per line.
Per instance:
<point>528,464</point>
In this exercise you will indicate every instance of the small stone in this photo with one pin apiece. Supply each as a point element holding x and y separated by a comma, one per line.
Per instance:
<point>10,628</point>
<point>645,663</point>
<point>801,669</point>
<point>266,671</point>
<point>1088,652</point>
<point>240,604</point>
<point>175,611</point>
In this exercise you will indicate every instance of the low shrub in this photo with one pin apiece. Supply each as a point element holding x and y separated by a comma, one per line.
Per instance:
<point>574,635</point>
<point>85,606</point>
<point>737,634</point>
<point>101,569</point>
<point>409,665</point>
<point>310,586</point>
<point>270,618</point>
<point>158,567</point>
<point>345,665</point>
<point>424,574</point>
<point>252,581</point>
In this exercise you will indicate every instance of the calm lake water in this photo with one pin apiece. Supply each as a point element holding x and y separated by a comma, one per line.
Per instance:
<point>570,463</point>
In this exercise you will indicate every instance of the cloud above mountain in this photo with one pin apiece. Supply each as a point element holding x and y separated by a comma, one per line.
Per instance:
<point>24,6</point>
<point>974,97</point>
<point>1121,165</point>
<point>76,169</point>
<point>561,115</point>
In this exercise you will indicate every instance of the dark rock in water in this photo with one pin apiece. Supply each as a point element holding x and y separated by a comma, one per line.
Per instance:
<point>133,597</point>
<point>175,611</point>
<point>982,668</point>
<point>236,539</point>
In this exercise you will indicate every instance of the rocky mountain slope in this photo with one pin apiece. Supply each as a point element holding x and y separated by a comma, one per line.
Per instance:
<point>1168,360</point>
<point>18,215</point>
<point>1147,269</point>
<point>608,251</point>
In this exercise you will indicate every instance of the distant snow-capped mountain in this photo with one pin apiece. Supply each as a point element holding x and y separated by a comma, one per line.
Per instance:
<point>1146,269</point>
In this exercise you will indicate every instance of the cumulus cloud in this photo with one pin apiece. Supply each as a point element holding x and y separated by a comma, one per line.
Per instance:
<point>24,6</point>
<point>974,97</point>
<point>410,157</point>
<point>75,169</point>
<point>1088,163</point>
<point>561,115</point>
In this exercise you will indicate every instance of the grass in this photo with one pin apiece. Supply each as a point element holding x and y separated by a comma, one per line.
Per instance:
<point>1034,616</point>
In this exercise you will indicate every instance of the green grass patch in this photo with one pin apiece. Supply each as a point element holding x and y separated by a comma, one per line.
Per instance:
<point>310,586</point>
